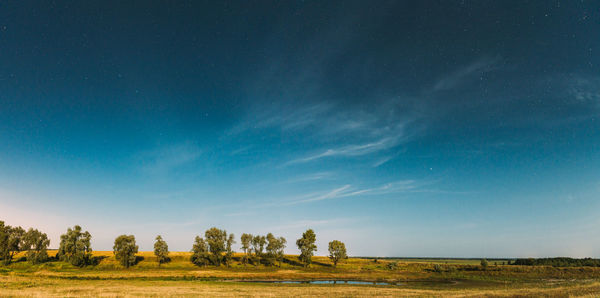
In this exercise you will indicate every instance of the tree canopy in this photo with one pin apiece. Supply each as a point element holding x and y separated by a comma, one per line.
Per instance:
<point>36,244</point>
<point>216,240</point>
<point>275,249</point>
<point>200,255</point>
<point>11,241</point>
<point>246,246</point>
<point>258,246</point>
<point>161,250</point>
<point>229,250</point>
<point>337,251</point>
<point>307,246</point>
<point>75,247</point>
<point>125,250</point>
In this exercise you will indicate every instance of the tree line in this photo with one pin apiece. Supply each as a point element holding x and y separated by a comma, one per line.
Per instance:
<point>214,249</point>
<point>16,239</point>
<point>557,262</point>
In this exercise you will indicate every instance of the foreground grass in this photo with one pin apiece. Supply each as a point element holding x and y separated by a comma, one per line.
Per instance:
<point>44,287</point>
<point>181,278</point>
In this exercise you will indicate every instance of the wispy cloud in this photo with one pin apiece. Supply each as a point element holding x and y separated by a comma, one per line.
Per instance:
<point>330,127</point>
<point>311,223</point>
<point>382,161</point>
<point>355,150</point>
<point>311,177</point>
<point>349,191</point>
<point>164,159</point>
<point>457,77</point>
<point>283,115</point>
<point>586,90</point>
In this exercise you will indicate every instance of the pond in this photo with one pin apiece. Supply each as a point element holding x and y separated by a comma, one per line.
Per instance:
<point>326,282</point>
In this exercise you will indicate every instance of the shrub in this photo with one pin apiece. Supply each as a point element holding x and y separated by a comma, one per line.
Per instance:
<point>484,264</point>
<point>392,265</point>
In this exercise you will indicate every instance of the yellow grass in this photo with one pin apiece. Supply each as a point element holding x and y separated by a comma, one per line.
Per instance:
<point>181,278</point>
<point>45,287</point>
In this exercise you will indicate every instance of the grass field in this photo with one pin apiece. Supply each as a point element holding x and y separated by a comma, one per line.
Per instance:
<point>458,278</point>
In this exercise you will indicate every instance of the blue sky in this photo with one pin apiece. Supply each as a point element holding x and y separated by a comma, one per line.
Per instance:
<point>463,129</point>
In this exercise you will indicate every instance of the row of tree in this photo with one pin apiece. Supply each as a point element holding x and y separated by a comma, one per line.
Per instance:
<point>16,239</point>
<point>214,249</point>
<point>558,262</point>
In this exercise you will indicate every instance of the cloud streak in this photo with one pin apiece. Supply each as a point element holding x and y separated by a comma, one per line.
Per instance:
<point>586,90</point>
<point>347,190</point>
<point>354,150</point>
<point>456,78</point>
<point>165,159</point>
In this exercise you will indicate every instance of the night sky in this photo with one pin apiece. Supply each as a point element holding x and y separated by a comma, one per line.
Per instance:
<point>422,128</point>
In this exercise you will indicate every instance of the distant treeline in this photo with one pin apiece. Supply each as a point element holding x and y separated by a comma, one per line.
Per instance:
<point>212,250</point>
<point>558,262</point>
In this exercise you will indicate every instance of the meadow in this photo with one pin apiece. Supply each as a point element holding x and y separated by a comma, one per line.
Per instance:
<point>406,277</point>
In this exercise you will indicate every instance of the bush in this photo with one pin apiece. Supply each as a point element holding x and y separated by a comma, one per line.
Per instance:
<point>484,264</point>
<point>392,265</point>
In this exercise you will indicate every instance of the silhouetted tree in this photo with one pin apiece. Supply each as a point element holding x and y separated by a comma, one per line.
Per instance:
<point>307,246</point>
<point>125,250</point>
<point>337,251</point>
<point>75,247</point>
<point>36,243</point>
<point>161,250</point>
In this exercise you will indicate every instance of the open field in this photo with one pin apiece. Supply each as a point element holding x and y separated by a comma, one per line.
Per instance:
<point>180,277</point>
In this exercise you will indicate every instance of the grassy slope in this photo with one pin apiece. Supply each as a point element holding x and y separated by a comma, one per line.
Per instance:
<point>183,278</point>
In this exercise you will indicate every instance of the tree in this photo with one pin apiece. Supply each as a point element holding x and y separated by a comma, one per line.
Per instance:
<point>125,250</point>
<point>484,264</point>
<point>75,247</point>
<point>4,234</point>
<point>11,241</point>
<point>246,242</point>
<point>200,255</point>
<point>337,251</point>
<point>229,250</point>
<point>307,246</point>
<point>258,245</point>
<point>275,249</point>
<point>36,243</point>
<point>161,250</point>
<point>216,240</point>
